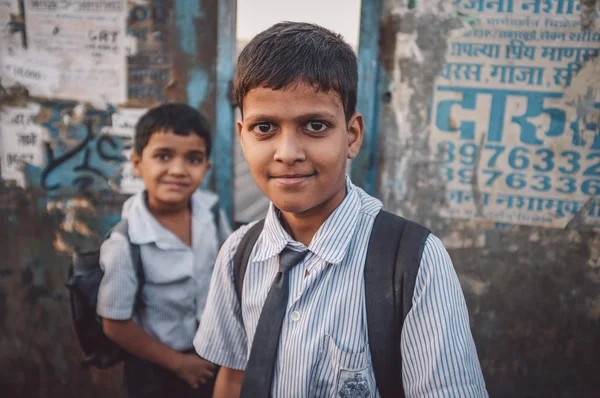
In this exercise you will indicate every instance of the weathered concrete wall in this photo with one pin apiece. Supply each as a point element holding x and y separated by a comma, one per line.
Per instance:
<point>458,106</point>
<point>64,153</point>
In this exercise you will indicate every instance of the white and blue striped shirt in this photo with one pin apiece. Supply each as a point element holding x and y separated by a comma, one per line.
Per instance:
<point>176,276</point>
<point>324,339</point>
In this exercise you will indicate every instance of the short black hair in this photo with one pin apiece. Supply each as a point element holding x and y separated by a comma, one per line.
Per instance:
<point>180,119</point>
<point>290,52</point>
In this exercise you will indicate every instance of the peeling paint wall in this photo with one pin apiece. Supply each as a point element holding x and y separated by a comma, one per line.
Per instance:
<point>458,107</point>
<point>64,164</point>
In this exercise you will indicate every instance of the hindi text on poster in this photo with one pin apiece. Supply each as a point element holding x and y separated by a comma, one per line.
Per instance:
<point>517,145</point>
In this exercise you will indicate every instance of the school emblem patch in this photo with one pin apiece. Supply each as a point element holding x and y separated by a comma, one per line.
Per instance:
<point>356,386</point>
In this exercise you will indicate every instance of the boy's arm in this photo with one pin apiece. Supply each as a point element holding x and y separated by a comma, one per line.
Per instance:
<point>229,383</point>
<point>439,357</point>
<point>221,337</point>
<point>116,300</point>
<point>191,368</point>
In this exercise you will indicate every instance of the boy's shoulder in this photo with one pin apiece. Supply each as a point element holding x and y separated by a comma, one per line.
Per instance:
<point>114,249</point>
<point>144,228</point>
<point>206,199</point>
<point>231,244</point>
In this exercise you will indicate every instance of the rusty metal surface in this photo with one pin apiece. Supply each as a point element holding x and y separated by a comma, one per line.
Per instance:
<point>532,291</point>
<point>73,198</point>
<point>39,355</point>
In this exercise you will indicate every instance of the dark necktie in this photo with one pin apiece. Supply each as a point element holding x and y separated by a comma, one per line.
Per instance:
<point>261,364</point>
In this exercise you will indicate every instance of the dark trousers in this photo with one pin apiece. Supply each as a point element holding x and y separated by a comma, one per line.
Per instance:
<point>143,379</point>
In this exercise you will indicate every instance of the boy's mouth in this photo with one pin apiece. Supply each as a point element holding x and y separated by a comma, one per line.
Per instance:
<point>176,186</point>
<point>291,179</point>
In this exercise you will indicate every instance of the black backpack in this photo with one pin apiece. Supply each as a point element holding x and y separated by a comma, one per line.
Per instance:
<point>392,263</point>
<point>85,276</point>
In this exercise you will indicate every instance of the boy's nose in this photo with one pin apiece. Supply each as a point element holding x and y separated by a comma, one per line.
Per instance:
<point>177,166</point>
<point>289,148</point>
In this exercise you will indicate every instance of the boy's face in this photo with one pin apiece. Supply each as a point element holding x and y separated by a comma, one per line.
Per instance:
<point>172,167</point>
<point>296,142</point>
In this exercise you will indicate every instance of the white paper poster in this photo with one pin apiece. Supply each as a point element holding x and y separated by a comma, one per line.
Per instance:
<point>9,40</point>
<point>123,124</point>
<point>39,73</point>
<point>89,38</point>
<point>21,141</point>
<point>516,114</point>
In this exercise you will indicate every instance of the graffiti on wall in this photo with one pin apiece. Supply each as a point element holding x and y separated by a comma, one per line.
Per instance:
<point>516,115</point>
<point>78,156</point>
<point>67,147</point>
<point>93,61</point>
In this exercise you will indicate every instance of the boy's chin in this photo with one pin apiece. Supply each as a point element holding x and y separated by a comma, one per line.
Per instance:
<point>174,198</point>
<point>294,205</point>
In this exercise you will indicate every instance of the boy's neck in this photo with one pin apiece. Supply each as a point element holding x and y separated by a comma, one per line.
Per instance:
<point>302,227</point>
<point>163,210</point>
<point>177,219</point>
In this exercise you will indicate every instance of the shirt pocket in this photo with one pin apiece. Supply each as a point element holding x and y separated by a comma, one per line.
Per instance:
<point>341,373</point>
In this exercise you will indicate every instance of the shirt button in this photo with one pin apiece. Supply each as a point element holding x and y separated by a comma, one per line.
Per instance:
<point>295,316</point>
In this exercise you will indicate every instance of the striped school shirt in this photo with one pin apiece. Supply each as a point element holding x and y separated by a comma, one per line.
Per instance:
<point>324,347</point>
<point>176,276</point>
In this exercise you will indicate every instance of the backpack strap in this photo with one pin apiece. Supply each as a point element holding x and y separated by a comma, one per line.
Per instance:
<point>242,256</point>
<point>391,268</point>
<point>122,228</point>
<point>214,209</point>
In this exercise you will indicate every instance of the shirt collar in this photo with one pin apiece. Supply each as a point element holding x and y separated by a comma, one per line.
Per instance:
<point>143,227</point>
<point>329,243</point>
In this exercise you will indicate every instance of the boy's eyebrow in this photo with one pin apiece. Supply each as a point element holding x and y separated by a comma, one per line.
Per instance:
<point>170,149</point>
<point>302,117</point>
<point>162,148</point>
<point>197,151</point>
<point>316,115</point>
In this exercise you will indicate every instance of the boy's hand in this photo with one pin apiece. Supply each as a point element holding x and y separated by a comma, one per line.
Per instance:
<point>194,370</point>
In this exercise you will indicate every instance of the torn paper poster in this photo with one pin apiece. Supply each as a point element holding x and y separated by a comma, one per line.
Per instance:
<point>21,141</point>
<point>10,37</point>
<point>123,124</point>
<point>516,115</point>
<point>89,36</point>
<point>39,73</point>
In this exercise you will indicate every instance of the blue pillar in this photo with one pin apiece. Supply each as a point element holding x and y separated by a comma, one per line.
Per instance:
<point>364,166</point>
<point>225,123</point>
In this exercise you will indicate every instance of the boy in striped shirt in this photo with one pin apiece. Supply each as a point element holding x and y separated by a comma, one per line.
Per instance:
<point>296,87</point>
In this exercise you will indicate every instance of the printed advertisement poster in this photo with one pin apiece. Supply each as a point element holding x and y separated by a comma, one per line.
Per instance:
<point>89,37</point>
<point>9,39</point>
<point>149,69</point>
<point>516,114</point>
<point>123,124</point>
<point>21,141</point>
<point>39,73</point>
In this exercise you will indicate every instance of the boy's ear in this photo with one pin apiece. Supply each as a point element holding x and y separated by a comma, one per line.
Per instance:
<point>356,132</point>
<point>135,161</point>
<point>240,126</point>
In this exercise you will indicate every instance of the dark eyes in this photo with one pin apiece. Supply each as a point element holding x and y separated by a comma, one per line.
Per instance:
<point>164,157</point>
<point>263,128</point>
<point>314,126</point>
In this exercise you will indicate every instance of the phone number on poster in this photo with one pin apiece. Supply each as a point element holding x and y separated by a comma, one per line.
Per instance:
<point>525,167</point>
